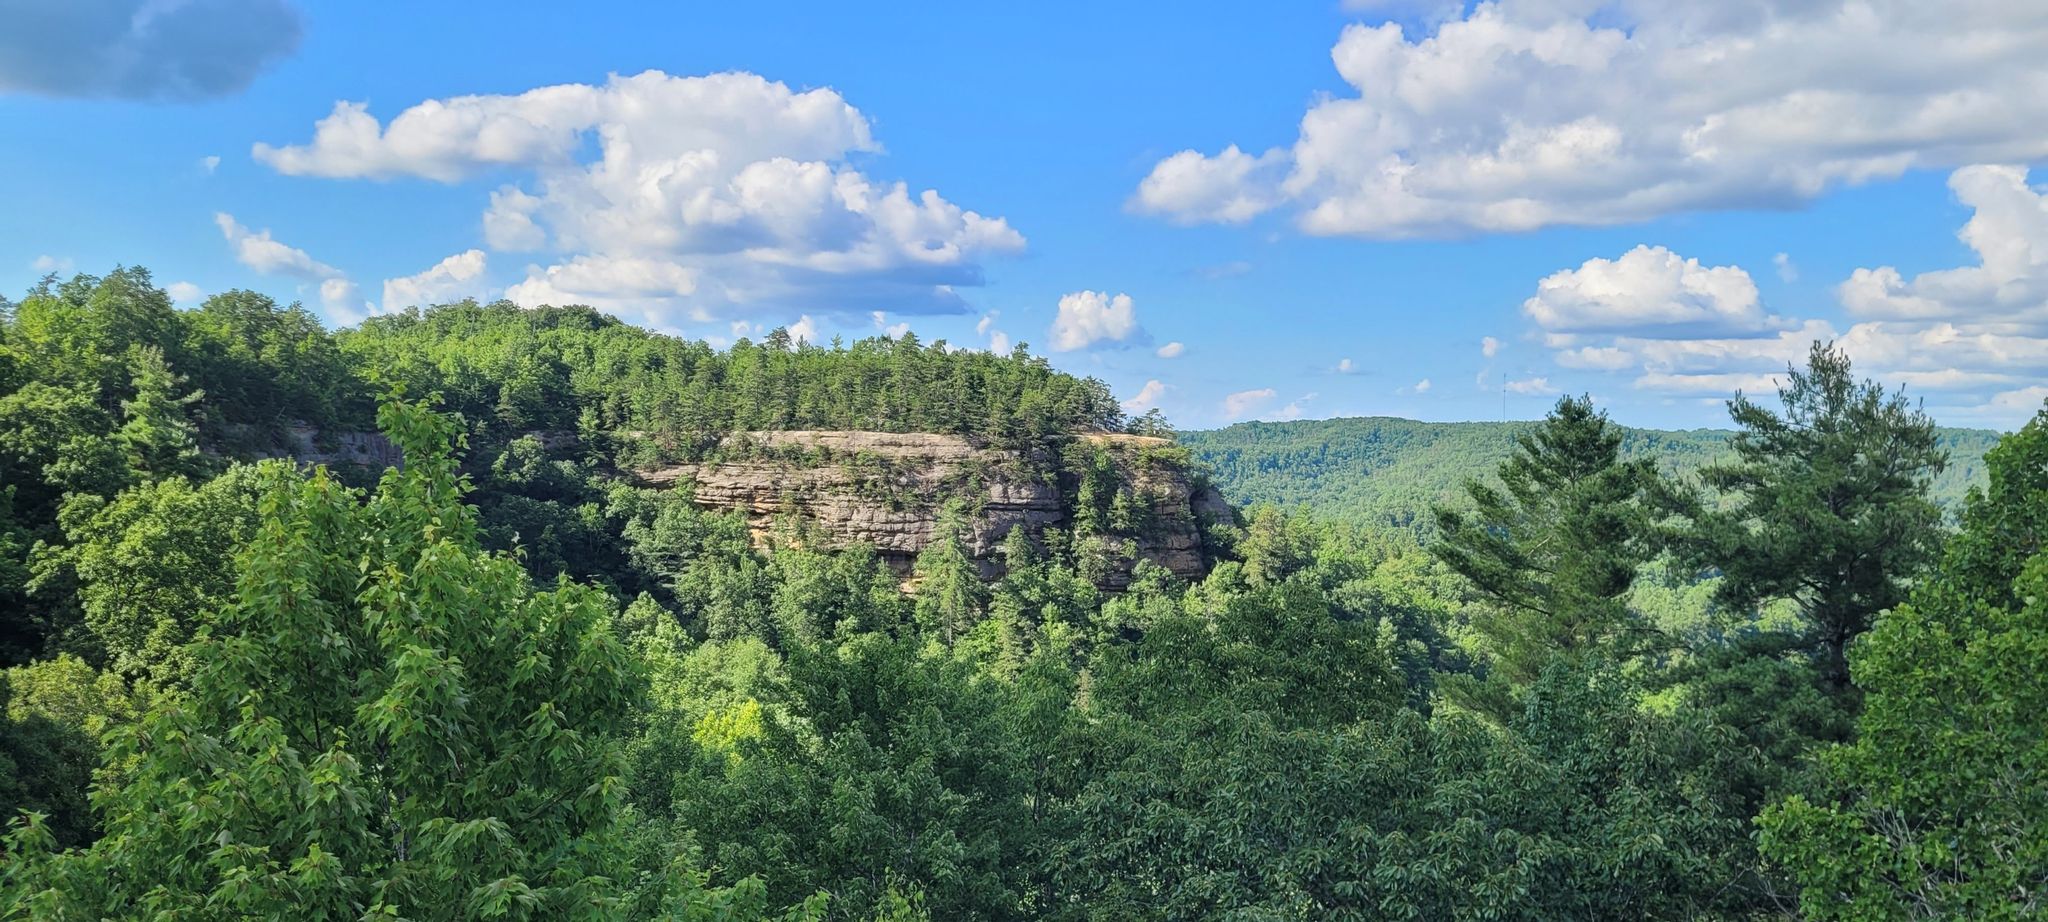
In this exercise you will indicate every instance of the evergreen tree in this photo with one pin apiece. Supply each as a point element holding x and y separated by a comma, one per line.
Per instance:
<point>1825,504</point>
<point>1153,424</point>
<point>159,438</point>
<point>1557,545</point>
<point>1939,808</point>
<point>949,589</point>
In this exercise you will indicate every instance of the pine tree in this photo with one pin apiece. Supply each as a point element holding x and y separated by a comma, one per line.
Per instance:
<point>155,432</point>
<point>1938,809</point>
<point>1826,505</point>
<point>949,590</point>
<point>1557,545</point>
<point>1153,424</point>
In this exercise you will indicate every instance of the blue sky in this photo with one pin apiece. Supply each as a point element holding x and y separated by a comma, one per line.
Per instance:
<point>1325,205</point>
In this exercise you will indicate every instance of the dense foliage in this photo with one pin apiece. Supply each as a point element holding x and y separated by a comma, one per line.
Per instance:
<point>388,723</point>
<point>503,680</point>
<point>105,386</point>
<point>1557,546</point>
<point>1392,472</point>
<point>1938,809</point>
<point>1825,505</point>
<point>570,369</point>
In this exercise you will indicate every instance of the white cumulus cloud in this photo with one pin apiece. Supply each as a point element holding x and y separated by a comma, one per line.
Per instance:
<point>896,330</point>
<point>2009,233</point>
<point>1172,350</point>
<point>1489,346</point>
<point>1519,114</point>
<point>1146,398</point>
<point>1296,407</point>
<point>1648,288</point>
<point>1231,187</point>
<point>1087,318</point>
<point>1964,338</point>
<point>2024,402</point>
<point>450,279</point>
<point>185,292</point>
<point>604,281</point>
<point>260,251</point>
<point>673,197</point>
<point>1600,358</point>
<point>257,249</point>
<point>343,301</point>
<point>1236,405</point>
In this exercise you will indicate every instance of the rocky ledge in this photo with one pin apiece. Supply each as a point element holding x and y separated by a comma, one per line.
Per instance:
<point>889,490</point>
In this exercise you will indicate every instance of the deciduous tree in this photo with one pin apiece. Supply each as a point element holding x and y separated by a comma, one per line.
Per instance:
<point>393,724</point>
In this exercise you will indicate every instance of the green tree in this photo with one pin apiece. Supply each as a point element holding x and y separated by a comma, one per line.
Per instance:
<point>950,594</point>
<point>1556,547</point>
<point>1154,424</point>
<point>1261,766</point>
<point>551,510</point>
<point>1038,606</point>
<point>819,595</point>
<point>15,542</point>
<point>703,561</point>
<point>79,332</point>
<point>392,724</point>
<point>56,710</point>
<point>56,440</point>
<point>881,766</point>
<point>155,432</point>
<point>55,445</point>
<point>1826,504</point>
<point>151,565</point>
<point>1275,545</point>
<point>1939,809</point>
<point>264,366</point>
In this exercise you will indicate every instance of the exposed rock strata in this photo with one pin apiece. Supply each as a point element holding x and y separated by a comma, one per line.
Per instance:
<point>888,490</point>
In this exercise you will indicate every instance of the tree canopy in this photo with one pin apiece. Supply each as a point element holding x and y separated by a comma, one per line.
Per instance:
<point>1938,808</point>
<point>264,663</point>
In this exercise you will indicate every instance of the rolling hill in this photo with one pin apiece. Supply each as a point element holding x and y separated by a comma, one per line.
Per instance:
<point>1389,471</point>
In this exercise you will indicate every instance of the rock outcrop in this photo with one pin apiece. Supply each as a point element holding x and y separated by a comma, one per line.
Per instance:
<point>308,445</point>
<point>889,490</point>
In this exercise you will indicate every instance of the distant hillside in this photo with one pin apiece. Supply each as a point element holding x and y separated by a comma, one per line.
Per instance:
<point>1383,470</point>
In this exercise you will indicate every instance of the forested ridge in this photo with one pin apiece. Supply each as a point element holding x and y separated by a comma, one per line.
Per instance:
<point>1391,471</point>
<point>505,680</point>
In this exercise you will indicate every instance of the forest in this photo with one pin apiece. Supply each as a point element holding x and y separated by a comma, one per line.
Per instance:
<point>1392,472</point>
<point>506,680</point>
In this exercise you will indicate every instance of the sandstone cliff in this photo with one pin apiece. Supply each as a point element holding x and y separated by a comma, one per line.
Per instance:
<point>889,489</point>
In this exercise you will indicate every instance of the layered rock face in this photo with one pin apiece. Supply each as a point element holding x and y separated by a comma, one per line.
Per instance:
<point>888,490</point>
<point>307,445</point>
